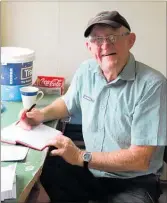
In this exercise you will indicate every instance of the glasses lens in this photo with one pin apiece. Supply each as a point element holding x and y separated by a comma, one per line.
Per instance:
<point>109,39</point>
<point>99,40</point>
<point>112,38</point>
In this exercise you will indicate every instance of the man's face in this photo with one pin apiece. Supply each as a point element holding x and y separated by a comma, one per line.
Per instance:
<point>110,51</point>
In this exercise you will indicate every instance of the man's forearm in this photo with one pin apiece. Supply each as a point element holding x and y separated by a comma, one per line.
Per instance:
<point>122,160</point>
<point>55,110</point>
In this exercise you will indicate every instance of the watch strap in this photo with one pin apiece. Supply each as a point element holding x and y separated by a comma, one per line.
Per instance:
<point>85,164</point>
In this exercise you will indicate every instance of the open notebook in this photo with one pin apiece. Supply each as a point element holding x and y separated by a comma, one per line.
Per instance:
<point>36,138</point>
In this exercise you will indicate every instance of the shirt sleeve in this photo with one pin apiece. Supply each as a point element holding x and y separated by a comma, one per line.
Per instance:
<point>71,98</point>
<point>149,118</point>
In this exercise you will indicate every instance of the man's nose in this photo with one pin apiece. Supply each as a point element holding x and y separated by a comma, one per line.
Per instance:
<point>105,42</point>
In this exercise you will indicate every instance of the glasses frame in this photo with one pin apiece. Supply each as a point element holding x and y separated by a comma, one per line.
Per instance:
<point>110,38</point>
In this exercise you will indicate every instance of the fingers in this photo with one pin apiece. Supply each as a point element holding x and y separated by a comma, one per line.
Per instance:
<point>23,116</point>
<point>59,141</point>
<point>32,113</point>
<point>56,152</point>
<point>23,111</point>
<point>55,143</point>
<point>34,109</point>
<point>29,119</point>
<point>24,125</point>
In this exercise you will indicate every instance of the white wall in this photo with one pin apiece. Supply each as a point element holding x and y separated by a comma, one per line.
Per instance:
<point>55,31</point>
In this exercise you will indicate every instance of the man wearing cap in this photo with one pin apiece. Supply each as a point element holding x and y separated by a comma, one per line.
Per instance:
<point>123,107</point>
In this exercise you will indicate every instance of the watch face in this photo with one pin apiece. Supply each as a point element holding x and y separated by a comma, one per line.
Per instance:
<point>87,156</point>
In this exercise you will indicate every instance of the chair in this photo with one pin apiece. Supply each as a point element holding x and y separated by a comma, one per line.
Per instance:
<point>72,128</point>
<point>165,155</point>
<point>163,183</point>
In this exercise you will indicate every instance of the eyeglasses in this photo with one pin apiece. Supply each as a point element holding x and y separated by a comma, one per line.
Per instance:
<point>110,39</point>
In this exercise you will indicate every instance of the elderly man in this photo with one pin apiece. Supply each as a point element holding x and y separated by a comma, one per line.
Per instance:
<point>123,107</point>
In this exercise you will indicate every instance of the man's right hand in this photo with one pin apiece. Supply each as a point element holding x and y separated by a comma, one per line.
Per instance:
<point>32,118</point>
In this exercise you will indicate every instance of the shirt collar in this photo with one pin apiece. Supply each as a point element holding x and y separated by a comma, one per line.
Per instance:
<point>128,72</point>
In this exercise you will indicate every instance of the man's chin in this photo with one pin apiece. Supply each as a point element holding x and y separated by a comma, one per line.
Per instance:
<point>108,64</point>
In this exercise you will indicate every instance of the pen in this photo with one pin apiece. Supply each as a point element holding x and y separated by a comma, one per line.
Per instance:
<point>31,107</point>
<point>24,114</point>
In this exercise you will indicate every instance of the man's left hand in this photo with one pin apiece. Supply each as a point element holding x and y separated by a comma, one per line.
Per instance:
<point>66,149</point>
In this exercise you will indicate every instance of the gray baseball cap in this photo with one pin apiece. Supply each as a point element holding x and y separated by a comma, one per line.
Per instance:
<point>112,18</point>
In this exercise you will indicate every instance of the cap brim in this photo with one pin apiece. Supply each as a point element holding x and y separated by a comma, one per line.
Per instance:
<point>107,22</point>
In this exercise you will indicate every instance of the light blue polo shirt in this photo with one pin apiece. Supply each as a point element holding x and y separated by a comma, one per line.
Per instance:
<point>130,110</point>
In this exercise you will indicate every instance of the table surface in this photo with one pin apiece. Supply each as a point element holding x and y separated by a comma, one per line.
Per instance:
<point>28,170</point>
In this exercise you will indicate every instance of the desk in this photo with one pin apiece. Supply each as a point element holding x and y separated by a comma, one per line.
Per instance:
<point>28,170</point>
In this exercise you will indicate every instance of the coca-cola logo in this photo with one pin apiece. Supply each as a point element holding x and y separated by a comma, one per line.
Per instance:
<point>50,83</point>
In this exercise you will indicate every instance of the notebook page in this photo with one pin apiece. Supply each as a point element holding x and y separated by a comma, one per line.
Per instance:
<point>13,153</point>
<point>37,137</point>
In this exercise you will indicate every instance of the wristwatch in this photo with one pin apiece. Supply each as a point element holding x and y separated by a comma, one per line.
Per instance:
<point>87,156</point>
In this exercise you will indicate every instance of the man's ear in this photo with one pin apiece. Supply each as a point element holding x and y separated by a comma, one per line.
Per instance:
<point>132,39</point>
<point>88,46</point>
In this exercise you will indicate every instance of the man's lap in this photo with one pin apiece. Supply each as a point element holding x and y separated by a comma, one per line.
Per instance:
<point>64,183</point>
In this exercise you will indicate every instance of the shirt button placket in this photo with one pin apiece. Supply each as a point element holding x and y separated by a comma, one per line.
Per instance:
<point>102,110</point>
